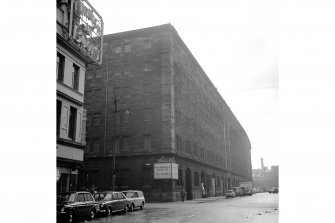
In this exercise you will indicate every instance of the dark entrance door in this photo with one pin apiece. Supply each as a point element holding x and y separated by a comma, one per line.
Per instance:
<point>189,184</point>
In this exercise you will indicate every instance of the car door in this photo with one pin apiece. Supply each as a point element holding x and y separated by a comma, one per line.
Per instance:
<point>80,205</point>
<point>136,201</point>
<point>89,203</point>
<point>115,203</point>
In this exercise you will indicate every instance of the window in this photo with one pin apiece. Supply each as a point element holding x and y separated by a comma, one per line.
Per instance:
<point>88,197</point>
<point>188,147</point>
<point>59,112</point>
<point>75,77</point>
<point>196,179</point>
<point>147,114</point>
<point>117,91</point>
<point>146,176</point>
<point>126,69</point>
<point>146,67</point>
<point>147,141</point>
<point>117,145</point>
<point>118,49</point>
<point>127,48</point>
<point>147,44</point>
<point>126,91</point>
<point>125,143</point>
<point>80,198</point>
<point>146,88</point>
<point>72,123</point>
<point>124,177</point>
<point>117,70</point>
<point>96,119</point>
<point>60,67</point>
<point>95,145</point>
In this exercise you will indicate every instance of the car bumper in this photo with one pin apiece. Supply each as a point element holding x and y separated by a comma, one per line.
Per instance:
<point>61,216</point>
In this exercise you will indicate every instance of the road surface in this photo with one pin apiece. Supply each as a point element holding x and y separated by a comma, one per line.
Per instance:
<point>258,208</point>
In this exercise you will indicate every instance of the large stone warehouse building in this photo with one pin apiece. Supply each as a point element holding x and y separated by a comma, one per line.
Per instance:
<point>172,128</point>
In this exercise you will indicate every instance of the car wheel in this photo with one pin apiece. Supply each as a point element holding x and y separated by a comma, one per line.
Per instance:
<point>109,211</point>
<point>71,217</point>
<point>92,214</point>
<point>131,207</point>
<point>141,207</point>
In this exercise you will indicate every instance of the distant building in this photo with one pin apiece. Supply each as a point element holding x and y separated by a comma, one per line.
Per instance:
<point>264,178</point>
<point>178,131</point>
<point>76,47</point>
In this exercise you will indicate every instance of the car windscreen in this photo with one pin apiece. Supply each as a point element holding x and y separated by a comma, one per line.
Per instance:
<point>63,198</point>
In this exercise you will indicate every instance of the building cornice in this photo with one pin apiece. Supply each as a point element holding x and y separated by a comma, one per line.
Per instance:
<point>66,142</point>
<point>62,94</point>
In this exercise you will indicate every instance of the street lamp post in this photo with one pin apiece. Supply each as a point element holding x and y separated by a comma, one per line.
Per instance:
<point>114,137</point>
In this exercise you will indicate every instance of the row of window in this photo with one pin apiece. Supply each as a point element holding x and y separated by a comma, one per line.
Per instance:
<point>126,48</point>
<point>122,177</point>
<point>118,70</point>
<point>197,128</point>
<point>122,143</point>
<point>194,149</point>
<point>197,179</point>
<point>60,69</point>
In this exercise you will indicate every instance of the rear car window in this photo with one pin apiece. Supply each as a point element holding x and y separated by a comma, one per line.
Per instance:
<point>88,197</point>
<point>120,196</point>
<point>128,194</point>
<point>108,197</point>
<point>80,198</point>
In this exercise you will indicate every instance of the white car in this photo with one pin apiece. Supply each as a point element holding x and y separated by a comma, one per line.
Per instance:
<point>230,193</point>
<point>136,199</point>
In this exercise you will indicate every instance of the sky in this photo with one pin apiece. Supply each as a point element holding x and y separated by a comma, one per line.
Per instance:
<point>235,42</point>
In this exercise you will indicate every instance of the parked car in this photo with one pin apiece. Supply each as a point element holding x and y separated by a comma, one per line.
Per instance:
<point>230,193</point>
<point>112,201</point>
<point>273,190</point>
<point>238,191</point>
<point>136,199</point>
<point>72,205</point>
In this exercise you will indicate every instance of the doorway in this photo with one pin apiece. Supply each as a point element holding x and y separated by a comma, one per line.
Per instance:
<point>189,184</point>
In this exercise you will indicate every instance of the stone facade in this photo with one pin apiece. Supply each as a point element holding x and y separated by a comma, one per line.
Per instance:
<point>176,116</point>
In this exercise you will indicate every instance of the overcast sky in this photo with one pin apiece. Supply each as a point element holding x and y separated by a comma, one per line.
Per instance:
<point>234,42</point>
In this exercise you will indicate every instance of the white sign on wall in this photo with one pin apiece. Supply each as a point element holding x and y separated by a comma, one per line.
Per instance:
<point>166,171</point>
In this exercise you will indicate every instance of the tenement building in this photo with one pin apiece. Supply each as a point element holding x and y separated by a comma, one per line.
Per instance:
<point>79,42</point>
<point>155,121</point>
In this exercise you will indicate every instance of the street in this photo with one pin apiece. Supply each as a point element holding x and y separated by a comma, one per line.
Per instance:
<point>258,208</point>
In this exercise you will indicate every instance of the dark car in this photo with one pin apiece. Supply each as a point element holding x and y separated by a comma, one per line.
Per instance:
<point>112,201</point>
<point>72,205</point>
<point>136,198</point>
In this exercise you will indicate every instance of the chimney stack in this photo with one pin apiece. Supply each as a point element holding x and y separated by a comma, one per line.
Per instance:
<point>262,163</point>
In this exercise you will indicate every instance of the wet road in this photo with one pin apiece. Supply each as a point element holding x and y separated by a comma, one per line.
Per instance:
<point>258,208</point>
